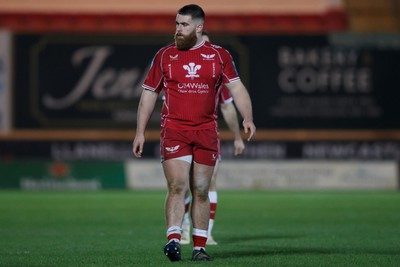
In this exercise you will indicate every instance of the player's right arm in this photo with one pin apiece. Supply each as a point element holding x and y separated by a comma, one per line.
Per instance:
<point>152,87</point>
<point>146,106</point>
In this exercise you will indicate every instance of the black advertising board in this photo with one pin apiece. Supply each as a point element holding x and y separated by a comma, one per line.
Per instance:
<point>296,82</point>
<point>325,82</point>
<point>76,81</point>
<point>83,81</point>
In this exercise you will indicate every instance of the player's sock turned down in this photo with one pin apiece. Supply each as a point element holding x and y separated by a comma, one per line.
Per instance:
<point>174,233</point>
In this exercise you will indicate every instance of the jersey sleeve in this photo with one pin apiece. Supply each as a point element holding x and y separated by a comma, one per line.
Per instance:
<point>154,78</point>
<point>229,72</point>
<point>225,97</point>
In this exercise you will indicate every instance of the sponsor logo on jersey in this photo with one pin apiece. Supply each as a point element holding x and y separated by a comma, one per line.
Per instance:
<point>193,86</point>
<point>192,69</point>
<point>172,149</point>
<point>173,57</point>
<point>208,57</point>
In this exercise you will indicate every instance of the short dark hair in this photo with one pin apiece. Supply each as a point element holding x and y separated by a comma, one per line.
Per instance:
<point>193,10</point>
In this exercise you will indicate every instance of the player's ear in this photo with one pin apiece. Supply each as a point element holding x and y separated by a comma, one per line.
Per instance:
<point>199,28</point>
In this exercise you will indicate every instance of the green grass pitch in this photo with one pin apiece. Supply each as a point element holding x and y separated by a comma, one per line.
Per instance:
<point>126,228</point>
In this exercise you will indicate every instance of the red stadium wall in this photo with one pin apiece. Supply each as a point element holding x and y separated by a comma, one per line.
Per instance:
<point>121,16</point>
<point>159,23</point>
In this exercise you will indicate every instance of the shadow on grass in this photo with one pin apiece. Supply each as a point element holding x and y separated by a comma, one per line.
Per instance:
<point>271,251</point>
<point>241,239</point>
<point>252,250</point>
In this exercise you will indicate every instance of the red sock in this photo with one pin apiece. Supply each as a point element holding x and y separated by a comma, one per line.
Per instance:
<point>199,238</point>
<point>174,232</point>
<point>213,208</point>
<point>213,196</point>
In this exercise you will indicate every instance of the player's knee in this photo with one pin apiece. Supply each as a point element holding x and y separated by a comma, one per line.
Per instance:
<point>201,192</point>
<point>177,188</point>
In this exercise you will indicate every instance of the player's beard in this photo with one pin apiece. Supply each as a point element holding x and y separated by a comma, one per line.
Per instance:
<point>185,42</point>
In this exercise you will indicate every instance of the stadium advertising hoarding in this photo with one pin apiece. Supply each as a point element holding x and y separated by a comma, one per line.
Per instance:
<point>34,165</point>
<point>81,81</point>
<point>306,82</point>
<point>270,175</point>
<point>5,75</point>
<point>324,82</point>
<point>266,150</point>
<point>61,175</point>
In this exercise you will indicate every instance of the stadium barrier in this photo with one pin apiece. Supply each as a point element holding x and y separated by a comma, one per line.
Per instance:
<point>39,175</point>
<point>265,165</point>
<point>281,175</point>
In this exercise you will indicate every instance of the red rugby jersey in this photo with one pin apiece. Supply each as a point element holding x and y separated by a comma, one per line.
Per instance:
<point>191,81</point>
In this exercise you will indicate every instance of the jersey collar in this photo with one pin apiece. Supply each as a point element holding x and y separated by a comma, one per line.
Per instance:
<point>198,45</point>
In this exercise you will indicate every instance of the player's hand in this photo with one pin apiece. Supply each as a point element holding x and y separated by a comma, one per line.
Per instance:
<point>137,146</point>
<point>249,128</point>
<point>239,146</point>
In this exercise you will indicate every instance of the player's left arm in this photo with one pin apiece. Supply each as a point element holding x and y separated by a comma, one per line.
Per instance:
<point>242,101</point>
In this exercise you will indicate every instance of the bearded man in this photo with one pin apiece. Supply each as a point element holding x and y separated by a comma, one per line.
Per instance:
<point>190,73</point>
